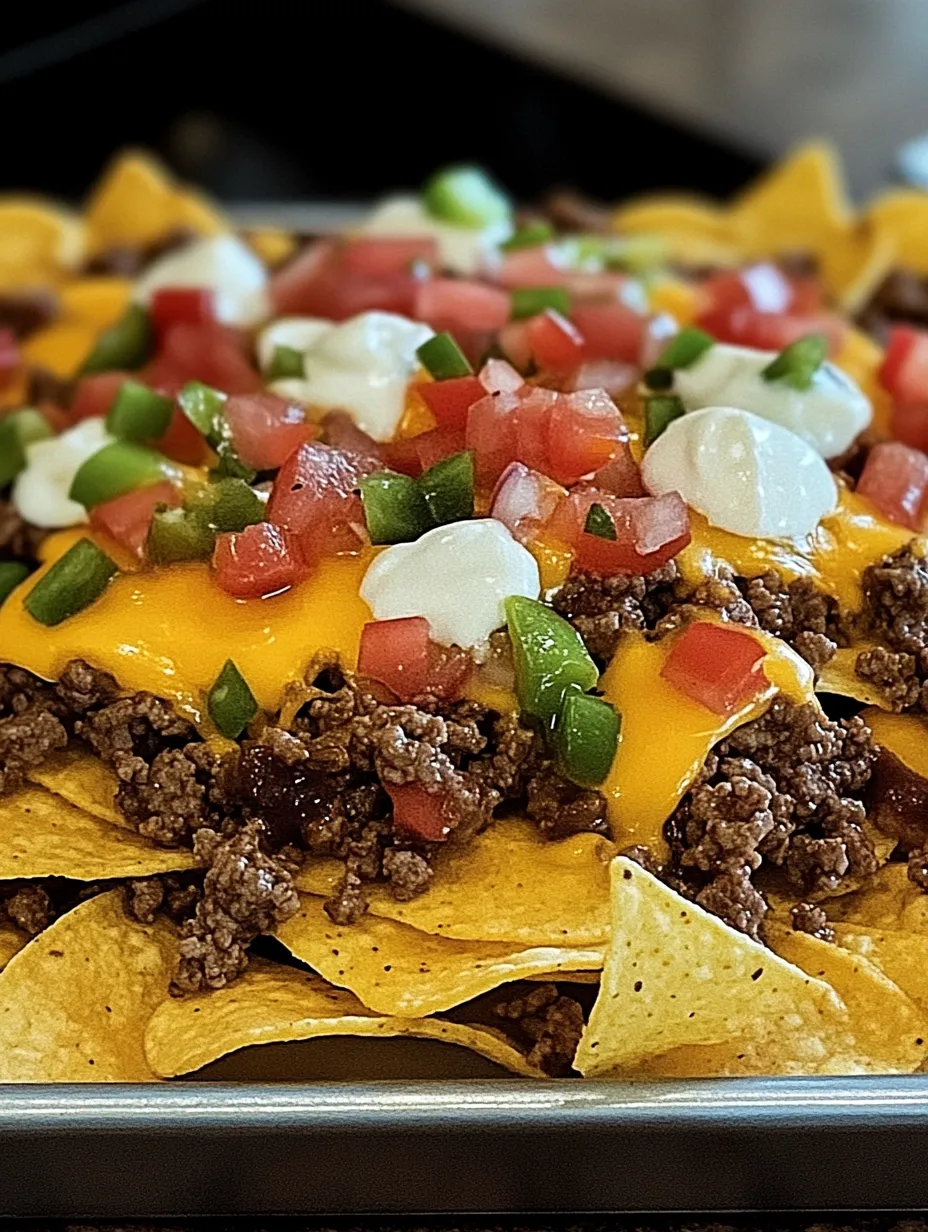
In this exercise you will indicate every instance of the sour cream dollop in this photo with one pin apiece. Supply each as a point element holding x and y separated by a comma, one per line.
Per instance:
<point>828,415</point>
<point>361,366</point>
<point>745,474</point>
<point>463,250</point>
<point>40,492</point>
<point>457,576</point>
<point>298,333</point>
<point>222,263</point>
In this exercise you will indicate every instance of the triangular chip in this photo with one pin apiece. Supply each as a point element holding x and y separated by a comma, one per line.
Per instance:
<point>74,1003</point>
<point>509,884</point>
<point>901,956</point>
<point>889,901</point>
<point>43,836</point>
<point>693,230</point>
<point>677,976</point>
<point>272,1004</point>
<point>84,781</point>
<point>12,940</point>
<point>853,265</point>
<point>901,215</point>
<point>95,301</point>
<point>395,969</point>
<point>39,243</point>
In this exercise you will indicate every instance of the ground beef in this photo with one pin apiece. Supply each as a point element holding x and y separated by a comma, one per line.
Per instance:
<point>805,617</point>
<point>603,608</point>
<point>82,688</point>
<point>571,211</point>
<point>132,729</point>
<point>811,918</point>
<point>30,908</point>
<point>19,540</point>
<point>896,614</point>
<point>560,808</point>
<point>550,1023</point>
<point>175,795</point>
<point>918,868</point>
<point>901,296</point>
<point>27,738</point>
<point>247,890</point>
<point>144,898</point>
<point>26,311</point>
<point>125,261</point>
<point>175,894</point>
<point>781,791</point>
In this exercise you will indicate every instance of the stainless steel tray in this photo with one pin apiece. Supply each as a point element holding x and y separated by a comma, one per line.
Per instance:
<point>481,1145</point>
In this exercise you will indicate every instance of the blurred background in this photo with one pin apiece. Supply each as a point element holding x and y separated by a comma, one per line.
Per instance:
<point>277,102</point>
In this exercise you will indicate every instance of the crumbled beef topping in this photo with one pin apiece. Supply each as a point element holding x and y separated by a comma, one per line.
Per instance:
<point>26,311</point>
<point>125,261</point>
<point>19,540</point>
<point>30,908</point>
<point>901,296</point>
<point>552,1024</point>
<point>560,808</point>
<point>27,737</point>
<point>811,918</point>
<point>46,386</point>
<point>783,790</point>
<point>896,614</point>
<point>805,617</point>
<point>144,898</point>
<point>603,608</point>
<point>571,211</point>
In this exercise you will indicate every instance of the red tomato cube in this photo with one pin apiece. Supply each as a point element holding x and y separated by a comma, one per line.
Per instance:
<point>449,401</point>
<point>715,665</point>
<point>650,530</point>
<point>315,497</point>
<point>127,518</point>
<point>266,429</point>
<point>904,371</point>
<point>418,813</point>
<point>396,652</point>
<point>610,331</point>
<point>439,443</point>
<point>556,343</point>
<point>94,395</point>
<point>585,431</point>
<point>175,305</point>
<point>895,479</point>
<point>455,304</point>
<point>258,561</point>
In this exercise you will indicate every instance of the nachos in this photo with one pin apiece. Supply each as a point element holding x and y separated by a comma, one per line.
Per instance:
<point>505,628</point>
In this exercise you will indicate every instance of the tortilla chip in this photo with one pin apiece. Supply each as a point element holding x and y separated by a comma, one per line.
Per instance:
<point>273,1004</point>
<point>677,976</point>
<point>38,243</point>
<point>901,215</point>
<point>273,245</point>
<point>509,885</point>
<point>75,1001</point>
<point>43,836</point>
<point>84,781</point>
<point>901,956</point>
<point>395,969</point>
<point>12,940</point>
<point>853,265</point>
<point>61,347</point>
<point>890,901</point>
<point>95,301</point>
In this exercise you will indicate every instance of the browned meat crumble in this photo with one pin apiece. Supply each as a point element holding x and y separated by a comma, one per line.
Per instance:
<point>551,1023</point>
<point>896,613</point>
<point>811,918</point>
<point>901,297</point>
<point>19,540</point>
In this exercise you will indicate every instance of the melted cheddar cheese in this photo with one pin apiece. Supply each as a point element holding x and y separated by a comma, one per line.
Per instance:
<point>906,735</point>
<point>170,630</point>
<point>666,737</point>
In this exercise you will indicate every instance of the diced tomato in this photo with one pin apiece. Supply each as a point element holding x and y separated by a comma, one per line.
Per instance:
<point>182,441</point>
<point>127,518</point>
<point>341,432</point>
<point>715,665</point>
<point>449,401</point>
<point>380,258</point>
<point>529,267</point>
<point>294,285</point>
<point>266,429</point>
<point>613,375</point>
<point>491,434</point>
<point>585,432</point>
<point>533,417</point>
<point>515,345</point>
<point>419,813</point>
<point>610,331</point>
<point>396,652</point>
<point>10,356</point>
<point>175,305</point>
<point>257,561</point>
<point>456,304</point>
<point>58,420</point>
<point>556,342</point>
<point>909,423</point>
<point>94,395</point>
<point>904,371</point>
<point>498,377</point>
<point>403,455</point>
<point>895,479</point>
<point>763,287</point>
<point>621,476</point>
<point>650,531</point>
<point>439,443</point>
<point>524,500</point>
<point>339,280</point>
<point>315,496</point>
<point>210,353</point>
<point>768,331</point>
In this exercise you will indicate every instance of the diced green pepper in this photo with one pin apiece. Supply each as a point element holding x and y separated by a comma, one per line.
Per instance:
<point>231,703</point>
<point>599,522</point>
<point>226,504</point>
<point>394,508</point>
<point>797,364</point>
<point>466,197</point>
<point>529,301</point>
<point>139,414</point>
<point>448,488</point>
<point>443,359</point>
<point>587,737</point>
<point>229,465</point>
<point>117,468</point>
<point>71,584</point>
<point>12,572</point>
<point>550,657</point>
<point>177,534</point>
<point>286,362</point>
<point>203,406</point>
<point>658,379</point>
<point>17,430</point>
<point>659,412</point>
<point>685,348</point>
<point>530,236</point>
<point>127,344</point>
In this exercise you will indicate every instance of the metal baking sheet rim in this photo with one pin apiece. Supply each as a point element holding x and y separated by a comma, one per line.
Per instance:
<point>478,1146</point>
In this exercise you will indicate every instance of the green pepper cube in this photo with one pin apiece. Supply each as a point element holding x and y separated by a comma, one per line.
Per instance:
<point>599,522</point>
<point>73,582</point>
<point>659,413</point>
<point>685,348</point>
<point>550,657</point>
<point>286,362</point>
<point>466,197</point>
<point>176,534</point>
<point>139,414</point>
<point>17,430</point>
<point>227,504</point>
<point>394,508</point>
<point>127,344</point>
<point>797,364</point>
<point>231,703</point>
<point>117,468</point>
<point>448,488</point>
<point>587,737</point>
<point>203,406</point>
<point>529,301</point>
<point>12,572</point>
<point>530,236</point>
<point>443,359</point>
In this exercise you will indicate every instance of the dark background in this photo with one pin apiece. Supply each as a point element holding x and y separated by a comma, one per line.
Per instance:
<point>269,100</point>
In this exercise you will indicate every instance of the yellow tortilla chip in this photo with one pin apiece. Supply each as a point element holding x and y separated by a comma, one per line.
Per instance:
<point>272,1004</point>
<point>74,1003</point>
<point>509,884</point>
<point>901,216</point>
<point>61,347</point>
<point>853,265</point>
<point>677,976</point>
<point>38,242</point>
<point>12,940</point>
<point>272,245</point>
<point>890,901</point>
<point>395,969</point>
<point>42,835</point>
<point>902,956</point>
<point>680,212</point>
<point>95,301</point>
<point>84,781</point>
